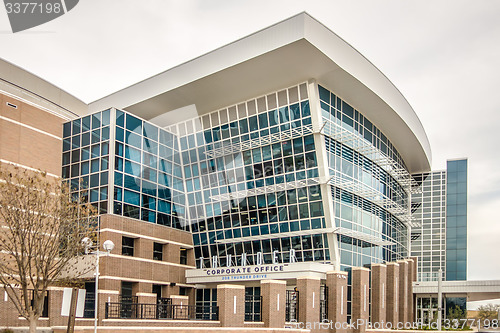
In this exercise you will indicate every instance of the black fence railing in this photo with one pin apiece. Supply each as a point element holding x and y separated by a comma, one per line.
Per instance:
<point>89,309</point>
<point>160,311</point>
<point>128,299</point>
<point>292,306</point>
<point>253,308</point>
<point>323,303</point>
<point>164,300</point>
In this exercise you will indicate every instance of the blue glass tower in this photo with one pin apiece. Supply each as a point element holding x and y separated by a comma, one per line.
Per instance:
<point>456,220</point>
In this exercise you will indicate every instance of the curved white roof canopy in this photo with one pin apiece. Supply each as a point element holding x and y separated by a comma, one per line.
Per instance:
<point>22,84</point>
<point>292,51</point>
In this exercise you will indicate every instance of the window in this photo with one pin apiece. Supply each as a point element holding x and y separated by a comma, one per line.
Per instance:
<point>45,311</point>
<point>183,256</point>
<point>157,251</point>
<point>127,246</point>
<point>157,290</point>
<point>127,293</point>
<point>89,309</point>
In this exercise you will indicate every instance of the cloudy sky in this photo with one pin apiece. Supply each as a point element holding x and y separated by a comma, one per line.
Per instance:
<point>444,56</point>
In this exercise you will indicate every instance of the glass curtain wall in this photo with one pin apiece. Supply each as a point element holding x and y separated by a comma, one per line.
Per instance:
<point>360,206</point>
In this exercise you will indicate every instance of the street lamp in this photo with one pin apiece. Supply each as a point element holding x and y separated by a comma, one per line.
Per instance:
<point>108,246</point>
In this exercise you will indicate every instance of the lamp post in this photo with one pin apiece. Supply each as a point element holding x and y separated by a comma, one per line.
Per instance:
<point>440,299</point>
<point>108,247</point>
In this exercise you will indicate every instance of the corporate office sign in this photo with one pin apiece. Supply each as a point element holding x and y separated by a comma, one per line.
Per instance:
<point>26,14</point>
<point>260,271</point>
<point>282,271</point>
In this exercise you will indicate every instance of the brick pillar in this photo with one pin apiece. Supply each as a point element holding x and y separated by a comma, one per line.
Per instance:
<point>191,293</point>
<point>414,279</point>
<point>172,253</point>
<point>392,293</point>
<point>273,294</point>
<point>143,248</point>
<point>109,291</point>
<point>231,302</point>
<point>309,297</point>
<point>360,298</point>
<point>337,299</point>
<point>415,268</point>
<point>181,308</point>
<point>179,300</point>
<point>379,293</point>
<point>55,303</point>
<point>143,292</point>
<point>403,291</point>
<point>169,289</point>
<point>410,301</point>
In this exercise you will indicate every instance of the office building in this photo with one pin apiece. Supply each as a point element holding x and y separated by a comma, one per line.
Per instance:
<point>283,155</point>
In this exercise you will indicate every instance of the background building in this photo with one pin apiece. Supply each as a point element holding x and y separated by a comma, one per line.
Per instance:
<point>439,203</point>
<point>440,206</point>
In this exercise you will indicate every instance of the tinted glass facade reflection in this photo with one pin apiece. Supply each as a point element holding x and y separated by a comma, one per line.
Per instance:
<point>363,190</point>
<point>125,166</point>
<point>252,182</point>
<point>86,156</point>
<point>261,176</point>
<point>456,220</point>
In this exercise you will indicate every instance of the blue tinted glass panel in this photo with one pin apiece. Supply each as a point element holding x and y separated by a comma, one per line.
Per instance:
<point>134,124</point>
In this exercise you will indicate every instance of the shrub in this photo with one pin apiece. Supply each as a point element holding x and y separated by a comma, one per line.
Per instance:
<point>6,330</point>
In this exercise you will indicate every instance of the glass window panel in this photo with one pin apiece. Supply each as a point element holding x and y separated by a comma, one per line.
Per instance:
<point>96,120</point>
<point>133,124</point>
<point>132,198</point>
<point>95,165</point>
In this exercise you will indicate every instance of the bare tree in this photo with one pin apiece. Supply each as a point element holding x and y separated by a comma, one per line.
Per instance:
<point>488,311</point>
<point>41,227</point>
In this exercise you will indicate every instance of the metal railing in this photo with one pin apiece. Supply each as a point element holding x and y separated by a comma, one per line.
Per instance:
<point>323,303</point>
<point>89,309</point>
<point>128,299</point>
<point>292,306</point>
<point>253,308</point>
<point>125,310</point>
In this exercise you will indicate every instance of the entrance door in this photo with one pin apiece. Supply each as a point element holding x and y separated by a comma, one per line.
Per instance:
<point>428,316</point>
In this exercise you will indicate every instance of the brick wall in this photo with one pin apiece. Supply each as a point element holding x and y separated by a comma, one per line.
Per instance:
<point>36,145</point>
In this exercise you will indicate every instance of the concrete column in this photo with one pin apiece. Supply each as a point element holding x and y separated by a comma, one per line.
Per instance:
<point>231,302</point>
<point>273,294</point>
<point>309,297</point>
<point>403,291</point>
<point>392,293</point>
<point>337,299</point>
<point>360,298</point>
<point>410,301</point>
<point>379,293</point>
